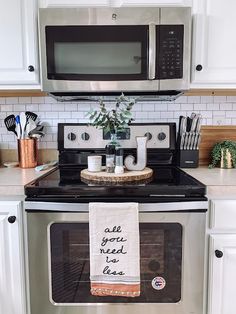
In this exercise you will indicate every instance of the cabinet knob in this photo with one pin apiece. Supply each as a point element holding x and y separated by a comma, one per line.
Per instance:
<point>11,219</point>
<point>218,253</point>
<point>199,67</point>
<point>31,68</point>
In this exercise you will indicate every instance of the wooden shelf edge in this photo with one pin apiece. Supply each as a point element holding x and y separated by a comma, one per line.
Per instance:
<point>22,93</point>
<point>211,92</point>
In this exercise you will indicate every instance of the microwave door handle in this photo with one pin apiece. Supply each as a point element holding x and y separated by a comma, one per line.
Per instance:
<point>152,52</point>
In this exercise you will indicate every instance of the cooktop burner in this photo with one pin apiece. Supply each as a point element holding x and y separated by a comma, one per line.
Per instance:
<point>167,182</point>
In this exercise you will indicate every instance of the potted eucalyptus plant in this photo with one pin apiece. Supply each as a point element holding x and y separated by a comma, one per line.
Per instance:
<point>114,120</point>
<point>224,153</point>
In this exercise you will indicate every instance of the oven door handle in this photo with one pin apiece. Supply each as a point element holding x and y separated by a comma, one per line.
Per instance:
<point>152,52</point>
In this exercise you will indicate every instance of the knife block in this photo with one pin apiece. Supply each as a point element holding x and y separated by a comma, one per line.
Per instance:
<point>188,158</point>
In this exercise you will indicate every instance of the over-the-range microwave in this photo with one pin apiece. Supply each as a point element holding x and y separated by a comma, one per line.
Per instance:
<point>88,52</point>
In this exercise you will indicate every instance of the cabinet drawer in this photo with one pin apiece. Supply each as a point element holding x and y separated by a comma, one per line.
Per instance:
<point>223,214</point>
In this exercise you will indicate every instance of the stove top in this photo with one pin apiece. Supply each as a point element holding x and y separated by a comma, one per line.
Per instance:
<point>78,141</point>
<point>167,183</point>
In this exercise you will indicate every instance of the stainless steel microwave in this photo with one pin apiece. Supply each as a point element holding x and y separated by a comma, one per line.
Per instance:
<point>88,52</point>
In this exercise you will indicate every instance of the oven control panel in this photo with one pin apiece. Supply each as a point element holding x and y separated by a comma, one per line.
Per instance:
<point>77,136</point>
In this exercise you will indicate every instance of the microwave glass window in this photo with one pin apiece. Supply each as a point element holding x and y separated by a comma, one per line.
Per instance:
<point>99,53</point>
<point>99,58</point>
<point>160,261</point>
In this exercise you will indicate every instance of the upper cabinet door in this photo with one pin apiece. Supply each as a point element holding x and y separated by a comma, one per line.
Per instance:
<point>18,53</point>
<point>214,44</point>
<point>113,3</point>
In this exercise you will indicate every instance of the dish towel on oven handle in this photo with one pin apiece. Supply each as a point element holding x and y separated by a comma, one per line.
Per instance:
<point>114,249</point>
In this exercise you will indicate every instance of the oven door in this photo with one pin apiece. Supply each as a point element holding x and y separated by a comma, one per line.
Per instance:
<point>172,258</point>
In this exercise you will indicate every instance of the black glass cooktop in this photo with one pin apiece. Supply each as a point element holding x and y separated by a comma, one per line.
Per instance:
<point>167,183</point>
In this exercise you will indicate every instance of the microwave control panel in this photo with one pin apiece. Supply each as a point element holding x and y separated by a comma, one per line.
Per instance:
<point>170,51</point>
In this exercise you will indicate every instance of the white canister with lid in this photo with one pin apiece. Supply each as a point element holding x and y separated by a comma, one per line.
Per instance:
<point>94,163</point>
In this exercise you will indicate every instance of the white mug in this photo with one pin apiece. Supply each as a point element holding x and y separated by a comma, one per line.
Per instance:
<point>94,163</point>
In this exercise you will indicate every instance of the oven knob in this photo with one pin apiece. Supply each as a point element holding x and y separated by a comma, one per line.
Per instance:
<point>161,136</point>
<point>71,136</point>
<point>218,254</point>
<point>85,136</point>
<point>148,135</point>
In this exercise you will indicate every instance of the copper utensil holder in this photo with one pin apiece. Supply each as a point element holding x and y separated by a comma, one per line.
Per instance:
<point>28,153</point>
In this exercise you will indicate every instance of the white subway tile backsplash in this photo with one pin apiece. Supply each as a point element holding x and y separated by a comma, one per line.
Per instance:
<point>173,107</point>
<point>2,100</point>
<point>25,100</point>
<point>166,115</point>
<point>38,100</point>
<point>219,99</point>
<point>6,107</point>
<point>161,107</point>
<point>12,100</point>
<point>45,107</point>
<point>215,110</point>
<point>194,99</point>
<point>187,107</point>
<point>19,108</point>
<point>226,106</point>
<point>231,98</point>
<point>213,106</point>
<point>230,114</point>
<point>206,99</point>
<point>199,107</point>
<point>65,115</point>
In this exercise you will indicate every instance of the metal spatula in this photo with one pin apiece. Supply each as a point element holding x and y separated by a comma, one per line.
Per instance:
<point>31,115</point>
<point>10,123</point>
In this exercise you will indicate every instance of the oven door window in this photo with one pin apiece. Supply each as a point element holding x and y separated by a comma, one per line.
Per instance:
<point>103,53</point>
<point>161,261</point>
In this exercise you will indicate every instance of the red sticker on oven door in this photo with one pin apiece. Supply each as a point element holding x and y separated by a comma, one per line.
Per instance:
<point>158,283</point>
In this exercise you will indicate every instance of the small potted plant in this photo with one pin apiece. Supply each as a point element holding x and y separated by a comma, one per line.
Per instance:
<point>114,120</point>
<point>224,153</point>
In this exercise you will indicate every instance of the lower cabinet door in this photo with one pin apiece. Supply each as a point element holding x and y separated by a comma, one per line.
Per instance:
<point>222,274</point>
<point>12,285</point>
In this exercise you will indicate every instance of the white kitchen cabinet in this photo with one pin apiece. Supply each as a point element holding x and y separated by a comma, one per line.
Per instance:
<point>18,36</point>
<point>214,44</point>
<point>222,257</point>
<point>12,285</point>
<point>115,3</point>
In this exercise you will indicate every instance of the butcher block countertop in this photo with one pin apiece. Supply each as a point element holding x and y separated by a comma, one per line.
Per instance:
<point>13,180</point>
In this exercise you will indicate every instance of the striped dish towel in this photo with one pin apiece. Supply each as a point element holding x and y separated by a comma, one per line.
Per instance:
<point>114,249</point>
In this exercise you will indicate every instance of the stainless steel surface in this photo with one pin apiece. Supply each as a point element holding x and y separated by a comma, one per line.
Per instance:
<point>152,51</point>
<point>125,16</point>
<point>96,136</point>
<point>178,16</point>
<point>91,97</point>
<point>83,207</point>
<point>192,263</point>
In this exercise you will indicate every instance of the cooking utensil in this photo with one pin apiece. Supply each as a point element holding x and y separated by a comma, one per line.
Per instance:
<point>31,115</point>
<point>10,123</point>
<point>18,127</point>
<point>23,121</point>
<point>36,134</point>
<point>31,125</point>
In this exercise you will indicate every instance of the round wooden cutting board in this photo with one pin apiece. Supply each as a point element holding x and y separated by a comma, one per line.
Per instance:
<point>127,176</point>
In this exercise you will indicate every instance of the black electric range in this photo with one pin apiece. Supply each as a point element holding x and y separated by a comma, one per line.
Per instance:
<point>75,142</point>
